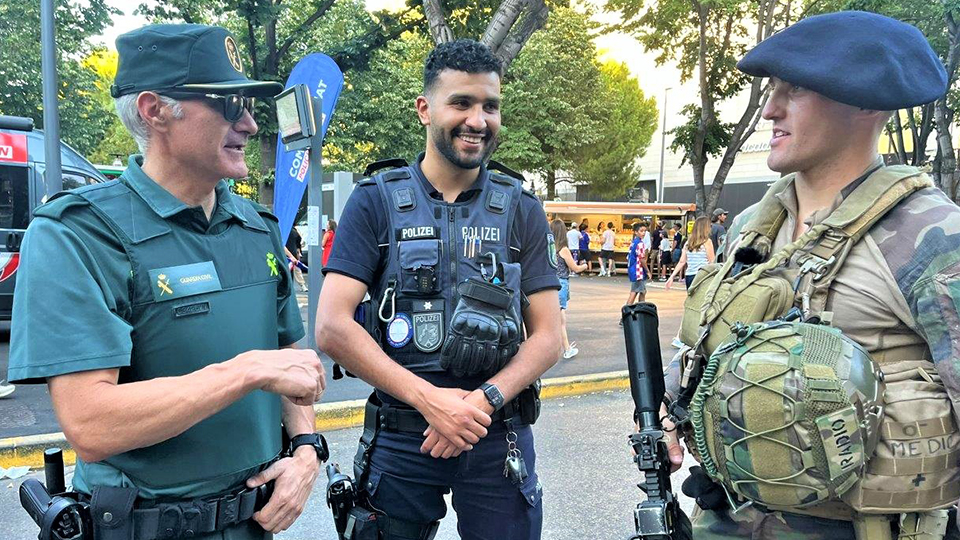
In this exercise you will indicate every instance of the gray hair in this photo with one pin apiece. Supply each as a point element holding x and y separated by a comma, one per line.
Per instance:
<point>130,117</point>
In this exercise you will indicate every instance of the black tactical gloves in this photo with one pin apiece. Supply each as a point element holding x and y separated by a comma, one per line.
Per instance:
<point>484,330</point>
<point>708,494</point>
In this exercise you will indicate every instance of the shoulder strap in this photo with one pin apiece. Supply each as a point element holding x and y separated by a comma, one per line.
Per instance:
<point>846,225</point>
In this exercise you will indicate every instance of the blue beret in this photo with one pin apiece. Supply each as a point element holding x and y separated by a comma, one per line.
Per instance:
<point>854,57</point>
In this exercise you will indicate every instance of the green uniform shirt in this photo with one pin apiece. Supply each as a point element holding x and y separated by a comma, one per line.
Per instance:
<point>73,303</point>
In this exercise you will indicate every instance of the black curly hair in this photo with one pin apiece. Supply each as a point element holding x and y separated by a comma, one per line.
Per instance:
<point>460,55</point>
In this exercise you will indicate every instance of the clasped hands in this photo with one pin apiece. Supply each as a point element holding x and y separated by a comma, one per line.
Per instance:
<point>458,419</point>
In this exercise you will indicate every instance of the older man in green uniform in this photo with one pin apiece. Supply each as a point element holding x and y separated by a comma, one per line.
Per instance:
<point>841,241</point>
<point>159,312</point>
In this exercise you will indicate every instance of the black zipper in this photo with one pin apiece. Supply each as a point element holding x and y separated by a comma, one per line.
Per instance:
<point>454,274</point>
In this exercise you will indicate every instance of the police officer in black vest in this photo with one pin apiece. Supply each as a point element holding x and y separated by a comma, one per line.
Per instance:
<point>462,320</point>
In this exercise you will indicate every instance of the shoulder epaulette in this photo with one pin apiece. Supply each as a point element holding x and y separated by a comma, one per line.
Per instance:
<point>60,204</point>
<point>497,166</point>
<point>394,163</point>
<point>262,210</point>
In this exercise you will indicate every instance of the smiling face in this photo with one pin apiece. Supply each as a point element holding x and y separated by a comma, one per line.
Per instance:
<point>808,128</point>
<point>204,141</point>
<point>462,114</point>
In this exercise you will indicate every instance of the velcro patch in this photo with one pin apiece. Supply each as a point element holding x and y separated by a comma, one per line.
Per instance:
<point>840,433</point>
<point>417,233</point>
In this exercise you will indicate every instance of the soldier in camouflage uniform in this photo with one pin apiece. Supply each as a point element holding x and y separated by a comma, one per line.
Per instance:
<point>897,292</point>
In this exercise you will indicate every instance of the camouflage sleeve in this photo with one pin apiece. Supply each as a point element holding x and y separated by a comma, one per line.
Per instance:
<point>732,240</point>
<point>920,241</point>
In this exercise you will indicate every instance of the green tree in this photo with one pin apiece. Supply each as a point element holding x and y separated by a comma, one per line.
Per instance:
<point>551,99</point>
<point>116,142</point>
<point>627,122</point>
<point>375,116</point>
<point>937,19</point>
<point>82,120</point>
<point>706,38</point>
<point>276,34</point>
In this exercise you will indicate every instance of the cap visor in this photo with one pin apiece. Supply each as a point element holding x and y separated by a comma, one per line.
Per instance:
<point>245,87</point>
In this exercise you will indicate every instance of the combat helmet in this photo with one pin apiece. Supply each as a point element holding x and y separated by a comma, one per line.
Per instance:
<point>787,413</point>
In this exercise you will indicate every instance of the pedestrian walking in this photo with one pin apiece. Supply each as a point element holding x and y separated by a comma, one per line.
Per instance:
<point>666,254</point>
<point>448,251</point>
<point>565,264</point>
<point>294,253</point>
<point>584,251</point>
<point>607,264</point>
<point>696,253</point>
<point>573,241</point>
<point>328,238</point>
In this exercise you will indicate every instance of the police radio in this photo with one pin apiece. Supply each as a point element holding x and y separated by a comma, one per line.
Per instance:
<point>62,516</point>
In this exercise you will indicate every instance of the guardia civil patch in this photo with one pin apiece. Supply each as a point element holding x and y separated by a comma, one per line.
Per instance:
<point>552,250</point>
<point>186,280</point>
<point>428,330</point>
<point>842,443</point>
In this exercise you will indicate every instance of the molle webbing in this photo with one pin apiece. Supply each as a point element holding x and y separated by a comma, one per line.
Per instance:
<point>832,238</point>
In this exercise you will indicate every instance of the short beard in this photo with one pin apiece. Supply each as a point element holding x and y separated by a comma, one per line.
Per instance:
<point>444,145</point>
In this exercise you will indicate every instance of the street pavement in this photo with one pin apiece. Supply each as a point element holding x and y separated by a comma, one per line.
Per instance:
<point>583,460</point>
<point>592,318</point>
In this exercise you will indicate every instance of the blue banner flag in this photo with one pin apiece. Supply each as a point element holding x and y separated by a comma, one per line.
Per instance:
<point>324,79</point>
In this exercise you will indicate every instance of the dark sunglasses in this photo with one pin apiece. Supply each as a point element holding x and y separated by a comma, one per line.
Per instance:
<point>231,105</point>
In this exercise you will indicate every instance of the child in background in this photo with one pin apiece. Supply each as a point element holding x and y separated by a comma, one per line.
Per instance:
<point>637,265</point>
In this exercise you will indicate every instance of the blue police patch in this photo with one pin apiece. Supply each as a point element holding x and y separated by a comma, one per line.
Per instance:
<point>399,331</point>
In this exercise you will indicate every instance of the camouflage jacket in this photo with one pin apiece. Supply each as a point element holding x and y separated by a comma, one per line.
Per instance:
<point>901,282</point>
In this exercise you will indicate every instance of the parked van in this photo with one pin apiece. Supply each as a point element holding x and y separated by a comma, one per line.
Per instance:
<point>23,187</point>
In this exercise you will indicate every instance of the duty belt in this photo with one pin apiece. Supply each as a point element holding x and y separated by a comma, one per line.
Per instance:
<point>409,420</point>
<point>158,520</point>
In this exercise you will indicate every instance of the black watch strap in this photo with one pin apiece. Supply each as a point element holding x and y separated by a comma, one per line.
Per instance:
<point>315,440</point>
<point>493,395</point>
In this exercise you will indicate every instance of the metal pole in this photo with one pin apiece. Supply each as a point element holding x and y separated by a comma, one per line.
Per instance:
<point>53,179</point>
<point>663,146</point>
<point>314,205</point>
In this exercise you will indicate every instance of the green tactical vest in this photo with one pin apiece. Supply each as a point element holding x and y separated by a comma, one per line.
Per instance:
<point>197,300</point>
<point>917,409</point>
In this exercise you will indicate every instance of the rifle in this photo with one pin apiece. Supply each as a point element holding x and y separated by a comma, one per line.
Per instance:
<point>659,517</point>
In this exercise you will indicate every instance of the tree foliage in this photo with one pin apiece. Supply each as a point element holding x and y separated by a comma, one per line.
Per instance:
<point>705,38</point>
<point>938,20</point>
<point>551,96</point>
<point>82,119</point>
<point>627,121</point>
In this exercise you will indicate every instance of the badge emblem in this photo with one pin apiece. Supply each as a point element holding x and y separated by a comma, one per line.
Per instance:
<point>233,53</point>
<point>273,265</point>
<point>428,330</point>
<point>551,250</point>
<point>164,284</point>
<point>399,331</point>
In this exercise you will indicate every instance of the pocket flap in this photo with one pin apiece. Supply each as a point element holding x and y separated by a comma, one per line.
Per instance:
<point>415,253</point>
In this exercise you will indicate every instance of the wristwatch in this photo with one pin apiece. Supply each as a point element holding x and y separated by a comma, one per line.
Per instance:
<point>315,440</point>
<point>493,395</point>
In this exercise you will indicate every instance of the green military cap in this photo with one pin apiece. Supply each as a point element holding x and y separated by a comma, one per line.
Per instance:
<point>185,58</point>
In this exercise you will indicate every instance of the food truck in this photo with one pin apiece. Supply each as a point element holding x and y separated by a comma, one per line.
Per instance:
<point>623,215</point>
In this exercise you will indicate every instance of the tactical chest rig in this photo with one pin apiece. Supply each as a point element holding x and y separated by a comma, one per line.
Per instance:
<point>435,246</point>
<point>918,425</point>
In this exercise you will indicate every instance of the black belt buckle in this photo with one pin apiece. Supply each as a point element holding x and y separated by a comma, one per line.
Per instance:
<point>170,521</point>
<point>228,512</point>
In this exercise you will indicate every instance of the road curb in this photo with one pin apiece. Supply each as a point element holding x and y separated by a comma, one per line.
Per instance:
<point>28,451</point>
